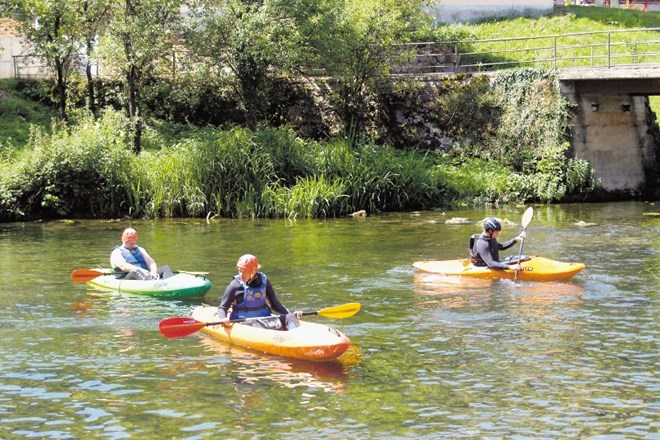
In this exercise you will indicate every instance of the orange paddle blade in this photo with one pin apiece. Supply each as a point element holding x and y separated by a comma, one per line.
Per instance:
<point>84,275</point>
<point>178,327</point>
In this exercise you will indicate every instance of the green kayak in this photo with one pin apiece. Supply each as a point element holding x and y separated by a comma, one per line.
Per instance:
<point>181,285</point>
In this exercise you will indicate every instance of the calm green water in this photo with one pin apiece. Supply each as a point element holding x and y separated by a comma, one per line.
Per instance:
<point>432,358</point>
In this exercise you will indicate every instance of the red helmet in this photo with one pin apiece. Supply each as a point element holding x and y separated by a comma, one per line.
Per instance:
<point>129,234</point>
<point>249,262</point>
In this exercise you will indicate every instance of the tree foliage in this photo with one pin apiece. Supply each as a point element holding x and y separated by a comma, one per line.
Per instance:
<point>362,45</point>
<point>250,44</point>
<point>53,30</point>
<point>139,39</point>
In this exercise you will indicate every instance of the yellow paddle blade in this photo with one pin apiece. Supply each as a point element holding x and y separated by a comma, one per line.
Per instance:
<point>343,311</point>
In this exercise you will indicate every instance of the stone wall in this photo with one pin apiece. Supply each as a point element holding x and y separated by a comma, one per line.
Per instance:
<point>617,133</point>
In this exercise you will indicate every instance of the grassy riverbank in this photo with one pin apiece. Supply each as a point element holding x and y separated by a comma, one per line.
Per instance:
<point>87,169</point>
<point>512,152</point>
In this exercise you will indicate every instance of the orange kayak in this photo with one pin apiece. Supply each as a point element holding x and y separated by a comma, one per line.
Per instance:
<point>535,269</point>
<point>310,341</point>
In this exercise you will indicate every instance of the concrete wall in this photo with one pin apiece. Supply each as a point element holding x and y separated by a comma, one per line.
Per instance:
<point>460,11</point>
<point>614,133</point>
<point>10,45</point>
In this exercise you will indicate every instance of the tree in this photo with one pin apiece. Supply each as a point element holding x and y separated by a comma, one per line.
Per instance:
<point>363,46</point>
<point>51,29</point>
<point>140,36</point>
<point>252,43</point>
<point>93,16</point>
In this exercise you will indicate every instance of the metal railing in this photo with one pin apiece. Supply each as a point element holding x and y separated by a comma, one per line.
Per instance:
<point>33,66</point>
<point>584,49</point>
<point>629,47</point>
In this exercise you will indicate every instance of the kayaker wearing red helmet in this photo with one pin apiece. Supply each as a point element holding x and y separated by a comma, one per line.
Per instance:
<point>484,248</point>
<point>135,261</point>
<point>251,295</point>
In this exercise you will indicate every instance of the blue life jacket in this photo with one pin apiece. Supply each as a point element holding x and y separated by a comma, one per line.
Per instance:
<point>254,300</point>
<point>134,256</point>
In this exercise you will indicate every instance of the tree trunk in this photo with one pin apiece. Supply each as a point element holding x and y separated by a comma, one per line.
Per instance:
<point>133,111</point>
<point>61,88</point>
<point>91,101</point>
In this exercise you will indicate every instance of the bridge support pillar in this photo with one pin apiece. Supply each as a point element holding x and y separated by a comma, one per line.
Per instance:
<point>615,134</point>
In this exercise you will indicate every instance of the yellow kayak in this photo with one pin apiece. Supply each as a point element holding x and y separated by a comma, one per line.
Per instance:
<point>310,341</point>
<point>534,269</point>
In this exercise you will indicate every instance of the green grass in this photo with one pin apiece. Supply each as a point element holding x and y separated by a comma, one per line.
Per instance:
<point>582,37</point>
<point>654,101</point>
<point>18,114</point>
<point>576,19</point>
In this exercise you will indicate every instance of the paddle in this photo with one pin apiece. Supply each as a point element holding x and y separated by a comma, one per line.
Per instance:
<point>183,326</point>
<point>84,275</point>
<point>526,218</point>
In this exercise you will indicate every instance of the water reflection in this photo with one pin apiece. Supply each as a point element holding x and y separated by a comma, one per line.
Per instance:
<point>252,368</point>
<point>434,358</point>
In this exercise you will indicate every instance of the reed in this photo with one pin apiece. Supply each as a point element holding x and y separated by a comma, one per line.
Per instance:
<point>88,170</point>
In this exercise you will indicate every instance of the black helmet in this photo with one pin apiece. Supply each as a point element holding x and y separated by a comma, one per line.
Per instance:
<point>492,224</point>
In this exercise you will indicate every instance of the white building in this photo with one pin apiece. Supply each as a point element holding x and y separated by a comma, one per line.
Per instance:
<point>10,44</point>
<point>460,11</point>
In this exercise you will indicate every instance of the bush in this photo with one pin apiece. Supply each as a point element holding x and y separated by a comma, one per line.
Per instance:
<point>73,173</point>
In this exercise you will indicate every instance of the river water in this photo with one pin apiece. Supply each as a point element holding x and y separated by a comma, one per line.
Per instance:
<point>432,357</point>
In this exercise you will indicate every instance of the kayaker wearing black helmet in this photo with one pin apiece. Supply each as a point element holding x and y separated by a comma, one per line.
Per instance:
<point>484,248</point>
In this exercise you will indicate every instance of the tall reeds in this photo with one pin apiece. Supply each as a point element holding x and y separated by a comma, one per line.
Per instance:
<point>87,170</point>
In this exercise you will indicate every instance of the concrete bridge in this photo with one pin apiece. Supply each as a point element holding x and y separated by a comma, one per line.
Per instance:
<point>608,75</point>
<point>615,129</point>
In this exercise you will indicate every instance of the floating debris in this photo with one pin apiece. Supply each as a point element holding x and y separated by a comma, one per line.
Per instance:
<point>360,213</point>
<point>458,221</point>
<point>507,222</point>
<point>504,222</point>
<point>584,224</point>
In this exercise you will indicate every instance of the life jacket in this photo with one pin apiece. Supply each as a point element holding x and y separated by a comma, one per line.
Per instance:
<point>254,300</point>
<point>134,256</point>
<point>475,258</point>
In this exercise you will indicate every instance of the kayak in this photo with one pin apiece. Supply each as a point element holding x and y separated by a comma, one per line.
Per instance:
<point>310,341</point>
<point>534,269</point>
<point>181,285</point>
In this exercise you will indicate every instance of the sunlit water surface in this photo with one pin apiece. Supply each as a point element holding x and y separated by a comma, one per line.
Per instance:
<point>432,357</point>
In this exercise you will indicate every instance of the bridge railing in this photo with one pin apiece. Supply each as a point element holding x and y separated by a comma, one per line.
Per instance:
<point>583,49</point>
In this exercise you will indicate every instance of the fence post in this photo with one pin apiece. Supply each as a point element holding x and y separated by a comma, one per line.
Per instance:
<point>609,49</point>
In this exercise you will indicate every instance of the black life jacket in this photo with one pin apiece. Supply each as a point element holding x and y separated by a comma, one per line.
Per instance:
<point>475,258</point>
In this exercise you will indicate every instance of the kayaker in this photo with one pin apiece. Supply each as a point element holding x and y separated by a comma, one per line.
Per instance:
<point>485,250</point>
<point>251,295</point>
<point>135,261</point>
